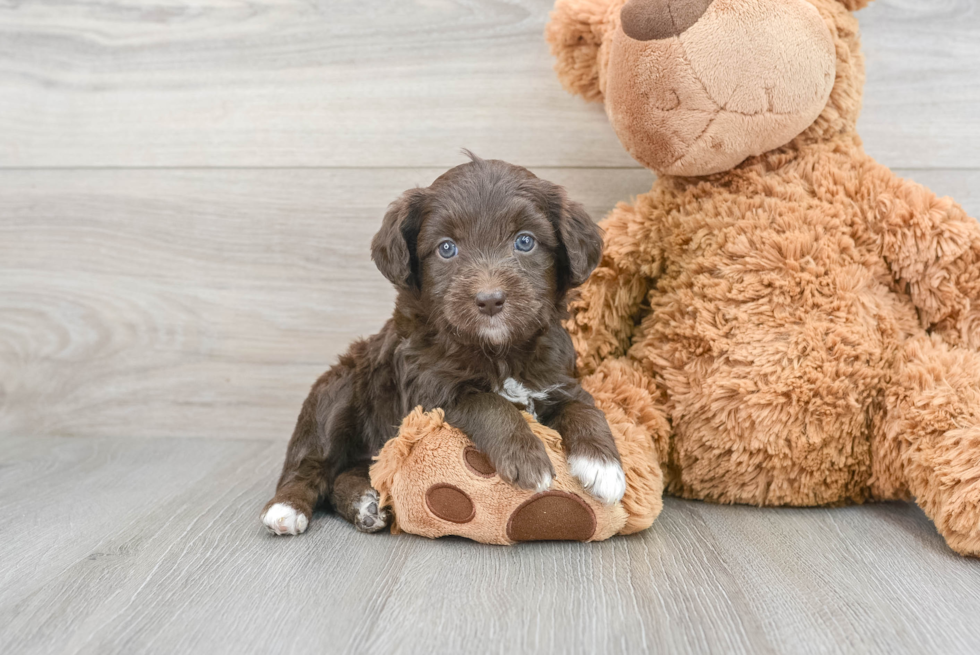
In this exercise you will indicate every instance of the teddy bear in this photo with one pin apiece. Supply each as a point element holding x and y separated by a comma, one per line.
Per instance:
<point>781,320</point>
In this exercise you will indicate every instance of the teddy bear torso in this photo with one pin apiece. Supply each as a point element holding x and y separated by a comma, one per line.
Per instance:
<point>772,329</point>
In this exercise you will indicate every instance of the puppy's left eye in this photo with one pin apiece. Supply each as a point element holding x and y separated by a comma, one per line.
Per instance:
<point>524,242</point>
<point>448,249</point>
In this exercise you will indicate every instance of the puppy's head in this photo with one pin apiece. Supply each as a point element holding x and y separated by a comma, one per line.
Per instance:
<point>487,252</point>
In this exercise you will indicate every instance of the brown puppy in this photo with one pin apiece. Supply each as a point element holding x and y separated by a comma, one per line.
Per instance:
<point>482,261</point>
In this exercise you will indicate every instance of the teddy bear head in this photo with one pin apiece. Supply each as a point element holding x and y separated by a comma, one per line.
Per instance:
<point>695,87</point>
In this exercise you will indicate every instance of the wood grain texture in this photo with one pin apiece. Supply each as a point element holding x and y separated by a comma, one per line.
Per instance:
<point>390,83</point>
<point>921,98</point>
<point>195,303</point>
<point>205,303</point>
<point>154,546</point>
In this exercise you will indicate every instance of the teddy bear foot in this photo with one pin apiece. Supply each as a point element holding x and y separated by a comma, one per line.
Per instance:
<point>443,485</point>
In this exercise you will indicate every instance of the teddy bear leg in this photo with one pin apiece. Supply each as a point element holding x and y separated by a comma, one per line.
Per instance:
<point>932,436</point>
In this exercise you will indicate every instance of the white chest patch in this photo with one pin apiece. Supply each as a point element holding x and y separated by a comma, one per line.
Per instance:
<point>518,394</point>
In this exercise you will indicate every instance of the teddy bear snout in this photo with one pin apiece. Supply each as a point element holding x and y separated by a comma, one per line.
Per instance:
<point>651,20</point>
<point>694,87</point>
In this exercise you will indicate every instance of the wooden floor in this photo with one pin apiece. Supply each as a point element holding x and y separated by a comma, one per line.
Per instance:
<point>153,545</point>
<point>188,189</point>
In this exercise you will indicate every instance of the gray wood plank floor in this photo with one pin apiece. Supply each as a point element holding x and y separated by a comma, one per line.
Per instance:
<point>187,193</point>
<point>114,545</point>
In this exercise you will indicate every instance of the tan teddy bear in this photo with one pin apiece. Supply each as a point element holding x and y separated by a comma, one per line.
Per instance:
<point>781,318</point>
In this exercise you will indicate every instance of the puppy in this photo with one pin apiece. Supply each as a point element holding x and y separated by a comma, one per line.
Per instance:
<point>483,260</point>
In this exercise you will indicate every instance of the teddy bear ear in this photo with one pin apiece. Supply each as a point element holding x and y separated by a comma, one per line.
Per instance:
<point>854,5</point>
<point>575,32</point>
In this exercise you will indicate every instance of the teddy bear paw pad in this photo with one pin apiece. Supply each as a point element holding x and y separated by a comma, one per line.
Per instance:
<point>450,503</point>
<point>552,516</point>
<point>478,462</point>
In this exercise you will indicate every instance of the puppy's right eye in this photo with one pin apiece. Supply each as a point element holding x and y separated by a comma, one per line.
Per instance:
<point>447,249</point>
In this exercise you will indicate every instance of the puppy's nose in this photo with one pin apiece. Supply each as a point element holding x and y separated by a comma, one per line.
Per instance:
<point>491,302</point>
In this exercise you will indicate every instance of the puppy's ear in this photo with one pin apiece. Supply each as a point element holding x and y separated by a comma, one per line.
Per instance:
<point>581,239</point>
<point>393,247</point>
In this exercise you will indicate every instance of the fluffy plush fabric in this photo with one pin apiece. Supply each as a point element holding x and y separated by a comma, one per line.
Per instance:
<point>797,330</point>
<point>801,328</point>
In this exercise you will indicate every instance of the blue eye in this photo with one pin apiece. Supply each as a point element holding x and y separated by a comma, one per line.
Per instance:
<point>524,243</point>
<point>447,249</point>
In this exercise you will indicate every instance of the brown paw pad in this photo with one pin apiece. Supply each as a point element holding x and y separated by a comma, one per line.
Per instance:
<point>552,516</point>
<point>478,462</point>
<point>450,503</point>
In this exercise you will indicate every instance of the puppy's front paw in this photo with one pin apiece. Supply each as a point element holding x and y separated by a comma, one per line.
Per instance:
<point>282,518</point>
<point>526,465</point>
<point>602,478</point>
<point>368,516</point>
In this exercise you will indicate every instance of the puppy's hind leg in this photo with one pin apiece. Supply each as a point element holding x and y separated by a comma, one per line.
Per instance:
<point>290,510</point>
<point>319,443</point>
<point>355,500</point>
<point>304,481</point>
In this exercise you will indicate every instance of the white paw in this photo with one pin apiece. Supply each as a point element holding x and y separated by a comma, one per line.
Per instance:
<point>370,517</point>
<point>603,479</point>
<point>281,518</point>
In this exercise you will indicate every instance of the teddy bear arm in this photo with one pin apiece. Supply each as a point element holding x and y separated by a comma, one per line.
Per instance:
<point>932,247</point>
<point>607,307</point>
<point>575,33</point>
<point>602,316</point>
